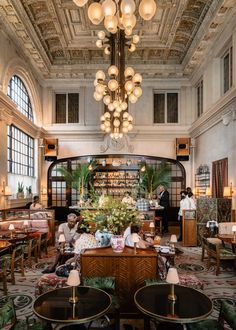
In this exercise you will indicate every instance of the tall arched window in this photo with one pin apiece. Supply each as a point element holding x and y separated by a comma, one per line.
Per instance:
<point>18,93</point>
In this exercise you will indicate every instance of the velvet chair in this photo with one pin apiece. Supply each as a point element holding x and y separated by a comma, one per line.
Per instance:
<point>227,314</point>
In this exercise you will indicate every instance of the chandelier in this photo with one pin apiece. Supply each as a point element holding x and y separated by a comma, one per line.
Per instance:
<point>118,14</point>
<point>122,86</point>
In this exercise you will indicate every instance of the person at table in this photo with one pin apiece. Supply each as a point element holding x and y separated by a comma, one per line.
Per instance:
<point>84,240</point>
<point>183,205</point>
<point>128,199</point>
<point>36,205</point>
<point>164,201</point>
<point>142,244</point>
<point>69,230</point>
<point>142,204</point>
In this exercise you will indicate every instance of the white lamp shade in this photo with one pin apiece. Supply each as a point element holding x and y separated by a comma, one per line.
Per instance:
<point>61,238</point>
<point>109,8</point>
<point>26,223</point>
<point>208,191</point>
<point>7,191</point>
<point>152,225</point>
<point>173,238</point>
<point>227,192</point>
<point>172,276</point>
<point>11,226</point>
<point>234,228</point>
<point>73,278</point>
<point>135,238</point>
<point>127,7</point>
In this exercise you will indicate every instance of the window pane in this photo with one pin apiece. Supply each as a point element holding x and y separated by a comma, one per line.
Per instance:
<point>159,108</point>
<point>226,73</point>
<point>172,108</point>
<point>73,108</point>
<point>60,108</point>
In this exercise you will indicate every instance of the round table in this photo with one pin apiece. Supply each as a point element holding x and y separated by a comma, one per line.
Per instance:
<point>191,305</point>
<point>54,306</point>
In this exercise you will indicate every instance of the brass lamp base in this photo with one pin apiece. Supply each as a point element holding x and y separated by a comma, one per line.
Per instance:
<point>171,295</point>
<point>74,299</point>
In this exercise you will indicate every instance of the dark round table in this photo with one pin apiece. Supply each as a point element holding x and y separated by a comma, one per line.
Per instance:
<point>54,306</point>
<point>190,306</point>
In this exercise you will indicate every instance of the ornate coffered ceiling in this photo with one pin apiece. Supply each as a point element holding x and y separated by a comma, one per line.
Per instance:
<point>58,39</point>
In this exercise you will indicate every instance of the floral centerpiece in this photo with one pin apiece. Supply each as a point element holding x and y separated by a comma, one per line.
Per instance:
<point>112,216</point>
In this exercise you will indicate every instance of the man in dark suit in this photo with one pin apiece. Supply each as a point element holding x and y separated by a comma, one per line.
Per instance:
<point>164,201</point>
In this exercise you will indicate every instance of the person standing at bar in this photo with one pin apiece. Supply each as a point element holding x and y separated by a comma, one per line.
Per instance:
<point>164,201</point>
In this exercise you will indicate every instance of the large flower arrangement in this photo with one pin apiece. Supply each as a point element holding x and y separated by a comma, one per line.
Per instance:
<point>113,216</point>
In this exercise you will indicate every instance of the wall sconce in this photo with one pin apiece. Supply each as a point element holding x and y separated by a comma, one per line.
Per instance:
<point>172,278</point>
<point>195,191</point>
<point>234,233</point>
<point>73,281</point>
<point>228,191</point>
<point>208,192</point>
<point>6,190</point>
<point>44,191</point>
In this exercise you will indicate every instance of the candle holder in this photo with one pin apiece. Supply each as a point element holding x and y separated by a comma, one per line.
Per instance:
<point>73,281</point>
<point>135,239</point>
<point>172,278</point>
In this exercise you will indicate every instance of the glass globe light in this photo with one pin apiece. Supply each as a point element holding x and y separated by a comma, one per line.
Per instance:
<point>129,86</point>
<point>116,103</point>
<point>100,89</point>
<point>99,43</point>
<point>102,118</point>
<point>136,39</point>
<point>107,50</point>
<point>97,96</point>
<point>111,106</point>
<point>103,127</point>
<point>132,98</point>
<point>125,115</point>
<point>107,123</point>
<point>117,114</point>
<point>112,135</point>
<point>132,47</point>
<point>100,75</point>
<point>129,72</point>
<point>127,7</point>
<point>120,135</point>
<point>137,78</point>
<point>107,129</point>
<point>107,99</point>
<point>95,13</point>
<point>130,127</point>
<point>109,8</point>
<point>112,85</point>
<point>137,91</point>
<point>80,3</point>
<point>128,31</point>
<point>118,108</point>
<point>116,122</point>
<point>110,23</point>
<point>130,118</point>
<point>107,115</point>
<point>147,9</point>
<point>125,123</point>
<point>95,82</point>
<point>129,21</point>
<point>125,130</point>
<point>101,35</point>
<point>124,105</point>
<point>113,70</point>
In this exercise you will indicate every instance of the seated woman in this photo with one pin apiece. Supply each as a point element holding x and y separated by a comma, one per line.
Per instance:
<point>142,244</point>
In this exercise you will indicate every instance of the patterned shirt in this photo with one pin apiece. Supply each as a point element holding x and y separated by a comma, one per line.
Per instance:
<point>143,205</point>
<point>85,241</point>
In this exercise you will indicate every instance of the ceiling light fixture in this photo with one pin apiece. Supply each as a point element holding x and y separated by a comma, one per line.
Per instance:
<point>118,14</point>
<point>122,86</point>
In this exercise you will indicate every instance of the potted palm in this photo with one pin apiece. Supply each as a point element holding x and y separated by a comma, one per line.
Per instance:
<point>78,178</point>
<point>154,176</point>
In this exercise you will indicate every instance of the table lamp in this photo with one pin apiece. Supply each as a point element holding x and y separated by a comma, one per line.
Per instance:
<point>61,241</point>
<point>135,240</point>
<point>11,228</point>
<point>152,227</point>
<point>212,225</point>
<point>73,281</point>
<point>173,240</point>
<point>234,233</point>
<point>172,278</point>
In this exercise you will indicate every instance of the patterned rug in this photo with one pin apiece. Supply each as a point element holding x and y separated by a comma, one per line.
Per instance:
<point>218,287</point>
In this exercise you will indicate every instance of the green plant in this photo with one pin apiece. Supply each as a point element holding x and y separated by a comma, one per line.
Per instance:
<point>29,190</point>
<point>113,216</point>
<point>78,178</point>
<point>20,188</point>
<point>154,176</point>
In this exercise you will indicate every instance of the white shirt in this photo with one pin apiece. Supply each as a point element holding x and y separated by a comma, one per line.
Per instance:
<point>69,234</point>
